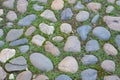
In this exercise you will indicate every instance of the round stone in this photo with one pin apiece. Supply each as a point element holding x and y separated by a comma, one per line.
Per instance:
<point>66,28</point>
<point>11,16</point>
<point>57,4</point>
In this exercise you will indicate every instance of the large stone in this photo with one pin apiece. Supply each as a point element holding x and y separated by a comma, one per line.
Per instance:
<point>111,77</point>
<point>30,31</point>
<point>72,44</point>
<point>9,3</point>
<point>68,64</point>
<point>3,74</point>
<point>14,34</point>
<point>41,62</point>
<point>27,20</point>
<point>63,77</point>
<point>48,14</point>
<point>57,4</point>
<point>11,16</point>
<point>66,28</point>
<point>6,54</point>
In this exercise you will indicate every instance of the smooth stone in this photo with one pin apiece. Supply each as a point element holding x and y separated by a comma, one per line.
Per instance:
<point>112,22</point>
<point>72,44</point>
<point>71,1</point>
<point>38,40</point>
<point>101,33</point>
<point>57,4</point>
<point>1,32</point>
<point>14,34</point>
<point>82,16</point>
<point>37,7</point>
<point>46,28</point>
<point>79,6</point>
<point>41,77</point>
<point>92,45</point>
<point>66,14</point>
<point>6,52</point>
<point>108,65</point>
<point>94,6</point>
<point>1,12</point>
<point>19,42</point>
<point>30,31</point>
<point>111,1</point>
<point>25,75</point>
<point>118,2</point>
<point>3,74</point>
<point>111,77</point>
<point>9,4</point>
<point>110,49</point>
<point>49,15</point>
<point>22,6</point>
<point>11,16</point>
<point>83,31</point>
<point>109,9</point>
<point>117,41</point>
<point>2,43</point>
<point>63,77</point>
<point>27,20</point>
<point>89,59</point>
<point>95,19</point>
<point>24,48</point>
<point>66,28</point>
<point>58,38</point>
<point>68,64</point>
<point>89,74</point>
<point>41,62</point>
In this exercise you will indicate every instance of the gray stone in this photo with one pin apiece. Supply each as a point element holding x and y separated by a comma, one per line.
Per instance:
<point>27,20</point>
<point>92,45</point>
<point>37,7</point>
<point>14,34</point>
<point>89,74</point>
<point>19,42</point>
<point>30,31</point>
<point>109,9</point>
<point>9,4</point>
<point>72,44</point>
<point>66,14</point>
<point>117,41</point>
<point>111,77</point>
<point>3,74</point>
<point>95,19</point>
<point>1,32</point>
<point>2,43</point>
<point>101,33</point>
<point>11,16</point>
<point>63,77</point>
<point>89,59</point>
<point>79,6</point>
<point>66,28</point>
<point>41,62</point>
<point>83,31</point>
<point>24,48</point>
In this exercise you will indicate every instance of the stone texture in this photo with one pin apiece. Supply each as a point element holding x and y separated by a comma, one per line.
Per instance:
<point>111,77</point>
<point>68,64</point>
<point>3,74</point>
<point>57,4</point>
<point>72,44</point>
<point>63,77</point>
<point>66,28</point>
<point>9,4</point>
<point>24,48</point>
<point>30,31</point>
<point>11,16</point>
<point>41,62</point>
<point>41,77</point>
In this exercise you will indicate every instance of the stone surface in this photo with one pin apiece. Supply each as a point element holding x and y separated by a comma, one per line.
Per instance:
<point>89,74</point>
<point>11,16</point>
<point>117,41</point>
<point>19,42</point>
<point>82,16</point>
<point>46,28</point>
<point>72,44</point>
<point>66,14</point>
<point>27,20</point>
<point>95,19</point>
<point>41,77</point>
<point>3,74</point>
<point>51,48</point>
<point>63,77</point>
<point>89,59</point>
<point>101,33</point>
<point>112,22</point>
<point>24,48</point>
<point>83,31</point>
<point>92,45</point>
<point>79,6</point>
<point>6,54</point>
<point>14,34</point>
<point>1,32</point>
<point>30,31</point>
<point>68,64</point>
<point>41,62</point>
<point>111,77</point>
<point>58,38</point>
<point>37,7</point>
<point>109,9</point>
<point>22,5</point>
<point>108,65</point>
<point>110,49</point>
<point>38,40</point>
<point>9,4</point>
<point>2,43</point>
<point>71,1</point>
<point>66,28</point>
<point>49,15</point>
<point>57,4</point>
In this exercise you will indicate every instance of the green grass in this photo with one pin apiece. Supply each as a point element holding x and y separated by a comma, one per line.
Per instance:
<point>55,72</point>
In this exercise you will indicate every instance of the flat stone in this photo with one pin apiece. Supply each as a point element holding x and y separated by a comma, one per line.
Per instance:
<point>79,6</point>
<point>58,38</point>
<point>6,54</point>
<point>11,16</point>
<point>9,4</point>
<point>24,48</point>
<point>37,7</point>
<point>41,62</point>
<point>41,77</point>
<point>30,31</point>
<point>95,19</point>
<point>72,44</point>
<point>66,28</point>
<point>63,77</point>
<point>111,77</point>
<point>83,31</point>
<point>101,33</point>
<point>3,74</point>
<point>92,45</point>
<point>66,14</point>
<point>1,32</point>
<point>38,40</point>
<point>51,48</point>
<point>57,4</point>
<point>2,43</point>
<point>89,74</point>
<point>25,75</point>
<point>68,64</point>
<point>14,34</point>
<point>27,20</point>
<point>19,42</point>
<point>49,15</point>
